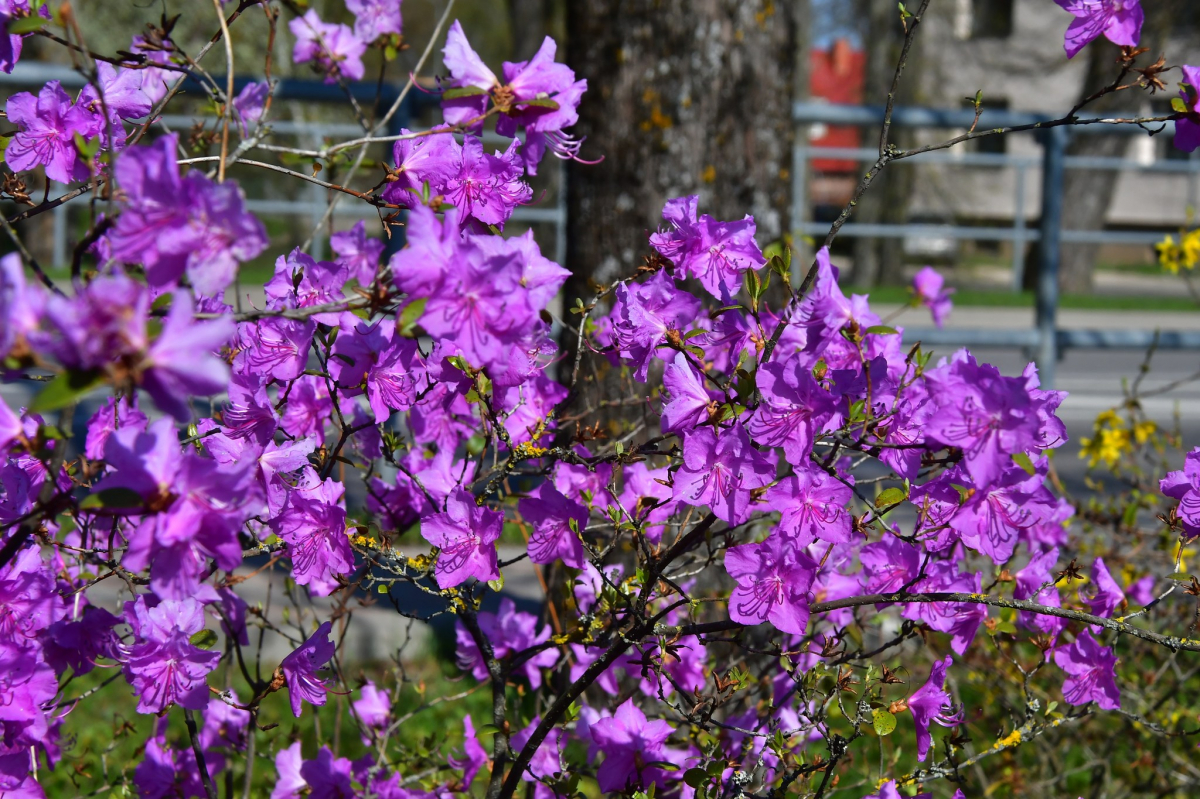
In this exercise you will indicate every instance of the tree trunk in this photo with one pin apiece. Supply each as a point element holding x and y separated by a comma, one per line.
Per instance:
<point>1090,191</point>
<point>685,97</point>
<point>878,260</point>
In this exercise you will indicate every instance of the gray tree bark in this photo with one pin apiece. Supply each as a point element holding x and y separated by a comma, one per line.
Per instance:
<point>1090,191</point>
<point>881,261</point>
<point>685,97</point>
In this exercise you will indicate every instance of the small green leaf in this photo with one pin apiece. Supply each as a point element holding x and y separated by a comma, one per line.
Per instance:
<point>462,91</point>
<point>497,585</point>
<point>695,777</point>
<point>883,722</point>
<point>113,498</point>
<point>205,639</point>
<point>1181,577</point>
<point>1178,105</point>
<point>1022,460</point>
<point>66,388</point>
<point>890,497</point>
<point>409,316</point>
<point>487,729</point>
<point>882,330</point>
<point>26,25</point>
<point>547,104</point>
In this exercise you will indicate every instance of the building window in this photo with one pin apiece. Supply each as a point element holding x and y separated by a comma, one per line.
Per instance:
<point>991,19</point>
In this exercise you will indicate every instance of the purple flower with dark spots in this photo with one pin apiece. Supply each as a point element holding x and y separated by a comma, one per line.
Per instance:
<point>960,619</point>
<point>722,469</point>
<point>715,253</point>
<point>275,348</point>
<point>1091,671</point>
<point>387,364</point>
<point>773,581</point>
<point>928,289</point>
<point>1184,485</point>
<point>300,669</point>
<point>931,702</point>
<point>554,537</point>
<point>989,416</point>
<point>434,160</point>
<point>466,533</point>
<point>813,505</point>
<point>998,513</point>
<point>46,130</point>
<point>488,187</point>
<point>1119,21</point>
<point>313,525</point>
<point>163,666</point>
<point>794,409</point>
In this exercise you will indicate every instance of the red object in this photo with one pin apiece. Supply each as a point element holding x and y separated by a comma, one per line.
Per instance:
<point>836,75</point>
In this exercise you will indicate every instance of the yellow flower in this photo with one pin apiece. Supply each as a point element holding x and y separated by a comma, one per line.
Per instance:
<point>1143,430</point>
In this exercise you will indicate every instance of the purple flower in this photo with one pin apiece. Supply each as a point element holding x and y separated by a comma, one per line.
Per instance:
<point>373,708</point>
<point>175,225</point>
<point>224,725</point>
<point>1030,582</point>
<point>643,313</point>
<point>930,703</point>
<point>434,160</point>
<point>647,496</point>
<point>180,363</point>
<point>794,409</point>
<point>1092,673</point>
<point>474,757</point>
<point>715,253</point>
<point>488,188</point>
<point>375,18</point>
<point>1184,486</point>
<point>960,619</point>
<point>813,505</point>
<point>46,130</point>
<point>387,364</point>
<point>466,534</point>
<point>289,784</point>
<point>274,348</point>
<point>1107,595</point>
<point>721,470</point>
<point>511,633</point>
<point>690,402</point>
<point>250,104</point>
<point>356,253</point>
<point>927,289</point>
<point>163,666</point>
<point>997,513</point>
<point>1187,129</point>
<point>122,92</point>
<point>629,743</point>
<point>554,536</point>
<point>313,525</point>
<point>334,48</point>
<point>328,777</point>
<point>301,666</point>
<point>28,686</point>
<point>889,791</point>
<point>10,426</point>
<point>300,281</point>
<point>989,416</point>
<point>113,414</point>
<point>1119,20</point>
<point>547,761</point>
<point>773,581</point>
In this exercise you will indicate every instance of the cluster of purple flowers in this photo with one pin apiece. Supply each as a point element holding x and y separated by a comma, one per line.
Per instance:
<point>249,419</point>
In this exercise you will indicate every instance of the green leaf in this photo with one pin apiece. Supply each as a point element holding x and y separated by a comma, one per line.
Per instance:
<point>1181,577</point>
<point>695,777</point>
<point>205,639</point>
<point>27,24</point>
<point>1022,460</point>
<point>1178,105</point>
<point>113,498</point>
<point>540,103</point>
<point>497,585</point>
<point>463,91</point>
<point>883,722</point>
<point>66,388</point>
<point>87,147</point>
<point>487,729</point>
<point>882,330</point>
<point>409,316</point>
<point>890,497</point>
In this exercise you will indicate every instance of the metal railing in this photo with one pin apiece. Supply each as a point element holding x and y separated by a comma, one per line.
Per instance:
<point>1045,340</point>
<point>314,202</point>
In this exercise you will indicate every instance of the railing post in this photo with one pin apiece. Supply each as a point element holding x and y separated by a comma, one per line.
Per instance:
<point>1054,153</point>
